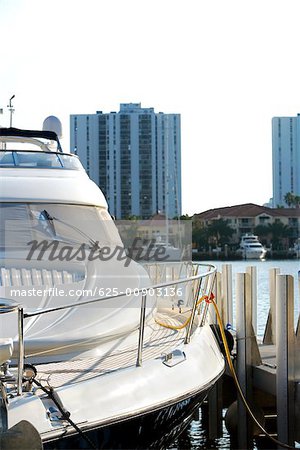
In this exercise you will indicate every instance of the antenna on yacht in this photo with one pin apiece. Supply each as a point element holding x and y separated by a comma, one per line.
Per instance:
<point>11,109</point>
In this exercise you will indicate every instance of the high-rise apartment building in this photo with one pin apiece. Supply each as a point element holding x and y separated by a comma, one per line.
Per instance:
<point>134,155</point>
<point>286,158</point>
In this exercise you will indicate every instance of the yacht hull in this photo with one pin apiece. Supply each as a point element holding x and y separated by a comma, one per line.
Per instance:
<point>255,255</point>
<point>136,407</point>
<point>156,429</point>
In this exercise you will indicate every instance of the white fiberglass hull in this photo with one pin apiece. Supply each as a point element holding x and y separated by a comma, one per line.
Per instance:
<point>128,393</point>
<point>250,254</point>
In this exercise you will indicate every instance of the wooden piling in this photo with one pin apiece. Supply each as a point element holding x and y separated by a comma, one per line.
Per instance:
<point>215,411</point>
<point>243,366</point>
<point>253,277</point>
<point>297,411</point>
<point>227,312</point>
<point>270,330</point>
<point>285,355</point>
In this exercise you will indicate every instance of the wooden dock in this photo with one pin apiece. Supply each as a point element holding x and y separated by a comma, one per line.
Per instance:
<point>268,370</point>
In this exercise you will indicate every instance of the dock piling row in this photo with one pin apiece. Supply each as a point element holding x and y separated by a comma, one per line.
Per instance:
<point>268,371</point>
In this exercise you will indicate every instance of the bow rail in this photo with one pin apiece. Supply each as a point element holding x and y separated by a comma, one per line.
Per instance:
<point>203,281</point>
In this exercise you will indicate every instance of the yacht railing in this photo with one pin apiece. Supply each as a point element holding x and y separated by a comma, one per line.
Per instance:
<point>206,278</point>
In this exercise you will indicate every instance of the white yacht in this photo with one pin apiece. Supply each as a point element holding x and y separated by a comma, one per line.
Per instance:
<point>96,350</point>
<point>251,248</point>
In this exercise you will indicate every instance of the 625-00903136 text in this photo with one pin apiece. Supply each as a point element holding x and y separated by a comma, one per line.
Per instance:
<point>95,292</point>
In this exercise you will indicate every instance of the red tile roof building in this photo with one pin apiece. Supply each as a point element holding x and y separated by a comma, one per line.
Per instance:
<point>244,218</point>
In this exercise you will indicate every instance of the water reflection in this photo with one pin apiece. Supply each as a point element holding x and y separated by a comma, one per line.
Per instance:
<point>195,437</point>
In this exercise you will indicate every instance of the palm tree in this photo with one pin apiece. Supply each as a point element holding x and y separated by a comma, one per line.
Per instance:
<point>262,232</point>
<point>279,234</point>
<point>289,199</point>
<point>199,235</point>
<point>292,200</point>
<point>297,201</point>
<point>219,231</point>
<point>184,217</point>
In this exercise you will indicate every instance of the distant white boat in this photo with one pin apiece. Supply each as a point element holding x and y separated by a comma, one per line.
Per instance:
<point>251,248</point>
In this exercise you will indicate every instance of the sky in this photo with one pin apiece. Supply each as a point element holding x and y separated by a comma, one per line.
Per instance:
<point>227,67</point>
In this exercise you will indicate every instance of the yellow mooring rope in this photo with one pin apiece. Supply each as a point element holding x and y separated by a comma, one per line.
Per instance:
<point>180,327</point>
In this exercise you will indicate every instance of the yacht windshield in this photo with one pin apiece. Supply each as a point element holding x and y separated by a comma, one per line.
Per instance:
<point>22,223</point>
<point>38,160</point>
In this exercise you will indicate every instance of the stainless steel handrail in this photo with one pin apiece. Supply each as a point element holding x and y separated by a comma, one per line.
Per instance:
<point>190,325</point>
<point>209,294</point>
<point>143,291</point>
<point>123,294</point>
<point>21,350</point>
<point>141,331</point>
<point>8,306</point>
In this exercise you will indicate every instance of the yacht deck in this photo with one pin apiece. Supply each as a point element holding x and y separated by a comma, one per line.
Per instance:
<point>159,341</point>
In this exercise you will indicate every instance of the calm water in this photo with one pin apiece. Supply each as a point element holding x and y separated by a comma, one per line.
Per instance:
<point>195,436</point>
